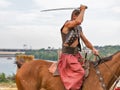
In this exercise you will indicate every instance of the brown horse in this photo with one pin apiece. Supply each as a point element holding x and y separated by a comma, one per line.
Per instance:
<point>35,75</point>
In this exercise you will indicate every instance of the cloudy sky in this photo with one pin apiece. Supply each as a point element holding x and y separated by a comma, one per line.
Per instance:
<point>22,24</point>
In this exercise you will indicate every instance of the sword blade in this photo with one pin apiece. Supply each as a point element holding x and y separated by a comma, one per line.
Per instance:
<point>58,9</point>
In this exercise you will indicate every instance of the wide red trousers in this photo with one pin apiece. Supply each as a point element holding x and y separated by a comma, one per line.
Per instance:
<point>71,71</point>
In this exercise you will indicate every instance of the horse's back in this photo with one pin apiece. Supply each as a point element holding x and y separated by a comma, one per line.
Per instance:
<point>28,75</point>
<point>35,75</point>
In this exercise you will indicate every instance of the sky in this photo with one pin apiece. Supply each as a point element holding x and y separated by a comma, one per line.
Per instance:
<point>23,25</point>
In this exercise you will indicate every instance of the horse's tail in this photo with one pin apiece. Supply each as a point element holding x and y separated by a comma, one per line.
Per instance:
<point>19,63</point>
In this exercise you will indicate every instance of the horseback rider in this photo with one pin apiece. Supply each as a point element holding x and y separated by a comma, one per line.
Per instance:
<point>70,69</point>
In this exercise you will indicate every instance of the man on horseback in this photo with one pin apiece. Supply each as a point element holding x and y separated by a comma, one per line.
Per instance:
<point>70,69</point>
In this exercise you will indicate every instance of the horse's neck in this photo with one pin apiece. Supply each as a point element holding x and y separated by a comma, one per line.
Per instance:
<point>110,70</point>
<point>92,81</point>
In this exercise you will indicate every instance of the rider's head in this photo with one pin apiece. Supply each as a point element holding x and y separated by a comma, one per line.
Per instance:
<point>75,14</point>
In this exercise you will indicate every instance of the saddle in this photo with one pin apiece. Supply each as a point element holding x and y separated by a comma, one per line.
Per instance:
<point>53,69</point>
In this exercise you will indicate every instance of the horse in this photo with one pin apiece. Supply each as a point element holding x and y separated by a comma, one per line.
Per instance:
<point>36,76</point>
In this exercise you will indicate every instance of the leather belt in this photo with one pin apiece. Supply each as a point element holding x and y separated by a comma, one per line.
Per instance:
<point>69,50</point>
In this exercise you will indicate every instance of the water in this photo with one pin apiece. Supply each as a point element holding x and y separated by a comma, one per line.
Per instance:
<point>7,65</point>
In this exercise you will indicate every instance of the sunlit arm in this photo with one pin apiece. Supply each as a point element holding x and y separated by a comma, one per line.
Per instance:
<point>88,44</point>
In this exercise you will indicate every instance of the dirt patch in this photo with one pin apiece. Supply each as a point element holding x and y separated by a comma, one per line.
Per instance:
<point>8,86</point>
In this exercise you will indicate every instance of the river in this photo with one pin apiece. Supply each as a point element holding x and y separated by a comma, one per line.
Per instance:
<point>7,65</point>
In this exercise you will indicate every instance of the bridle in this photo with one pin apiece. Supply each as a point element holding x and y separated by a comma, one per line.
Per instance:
<point>100,76</point>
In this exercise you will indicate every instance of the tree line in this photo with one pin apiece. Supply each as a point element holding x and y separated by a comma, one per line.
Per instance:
<point>52,54</point>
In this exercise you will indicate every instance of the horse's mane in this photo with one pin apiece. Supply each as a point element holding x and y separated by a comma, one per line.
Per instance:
<point>109,57</point>
<point>105,59</point>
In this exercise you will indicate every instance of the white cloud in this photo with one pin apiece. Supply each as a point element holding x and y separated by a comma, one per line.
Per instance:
<point>32,35</point>
<point>46,4</point>
<point>56,3</point>
<point>102,32</point>
<point>42,29</point>
<point>18,17</point>
<point>116,9</point>
<point>7,16</point>
<point>26,17</point>
<point>4,3</point>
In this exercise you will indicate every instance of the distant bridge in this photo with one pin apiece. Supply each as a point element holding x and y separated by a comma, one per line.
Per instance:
<point>12,52</point>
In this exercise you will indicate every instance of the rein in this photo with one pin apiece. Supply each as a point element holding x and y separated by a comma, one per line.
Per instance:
<point>100,76</point>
